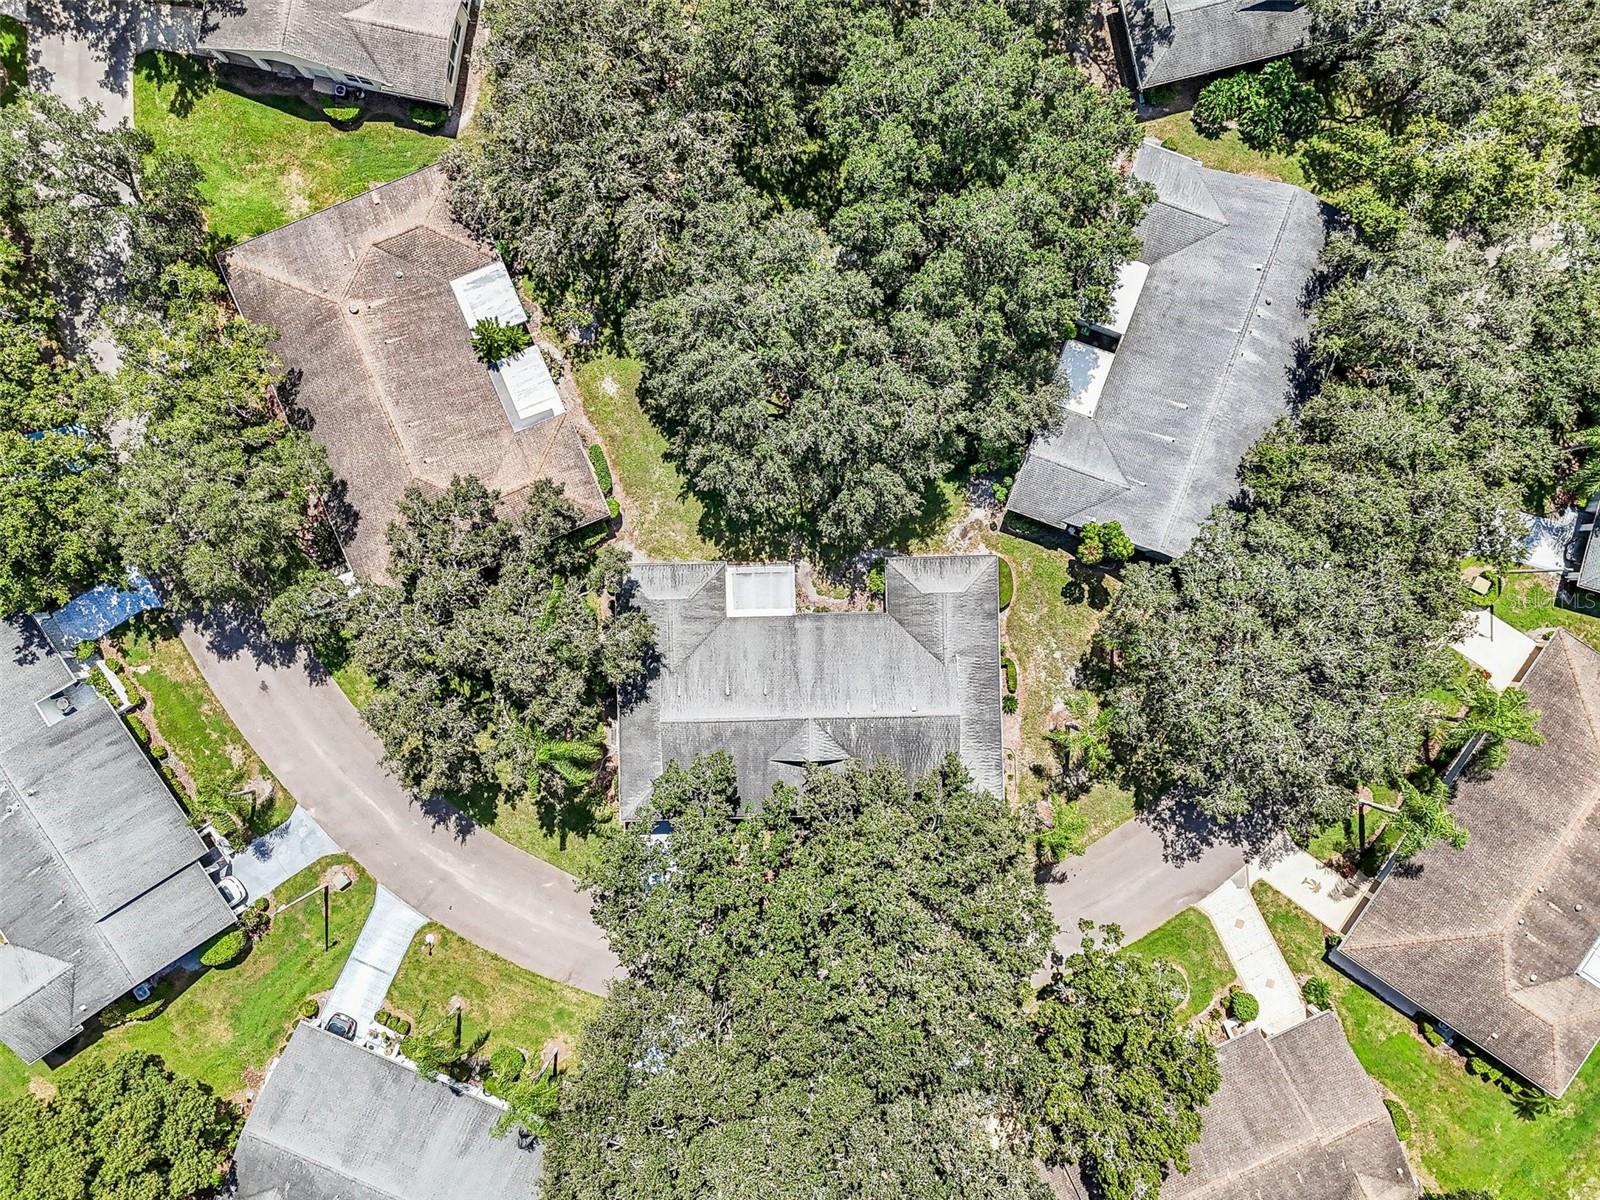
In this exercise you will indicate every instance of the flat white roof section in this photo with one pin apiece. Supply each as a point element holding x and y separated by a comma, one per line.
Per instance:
<point>761,590</point>
<point>1083,368</point>
<point>1499,650</point>
<point>1124,298</point>
<point>1589,968</point>
<point>523,383</point>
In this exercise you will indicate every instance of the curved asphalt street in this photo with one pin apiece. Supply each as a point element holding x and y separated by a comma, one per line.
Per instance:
<point>311,737</point>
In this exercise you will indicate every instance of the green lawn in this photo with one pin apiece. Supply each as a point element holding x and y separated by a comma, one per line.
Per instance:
<point>1528,602</point>
<point>1225,153</point>
<point>1051,621</point>
<point>1190,943</point>
<point>227,1022</point>
<point>1466,1133</point>
<point>516,1007</point>
<point>567,840</point>
<point>190,719</point>
<point>267,160</point>
<point>656,517</point>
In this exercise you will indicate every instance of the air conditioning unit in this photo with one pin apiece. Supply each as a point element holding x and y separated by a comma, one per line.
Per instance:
<point>339,89</point>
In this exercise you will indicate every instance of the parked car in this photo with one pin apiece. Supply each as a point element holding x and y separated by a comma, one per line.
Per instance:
<point>341,1025</point>
<point>233,891</point>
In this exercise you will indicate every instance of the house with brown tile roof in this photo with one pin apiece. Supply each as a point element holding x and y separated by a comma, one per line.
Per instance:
<point>372,302</point>
<point>1295,1118</point>
<point>1499,942</point>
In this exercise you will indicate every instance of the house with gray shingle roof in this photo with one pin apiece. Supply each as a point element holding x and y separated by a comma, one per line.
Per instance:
<point>337,1122</point>
<point>409,48</point>
<point>1500,941</point>
<point>739,669</point>
<point>1295,1118</point>
<point>101,883</point>
<point>373,302</point>
<point>1170,40</point>
<point>1194,363</point>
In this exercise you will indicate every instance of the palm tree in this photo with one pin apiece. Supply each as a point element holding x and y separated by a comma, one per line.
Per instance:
<point>1500,717</point>
<point>1585,478</point>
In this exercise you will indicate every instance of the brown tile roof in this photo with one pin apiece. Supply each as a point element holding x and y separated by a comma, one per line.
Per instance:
<point>1488,939</point>
<point>380,358</point>
<point>1296,1118</point>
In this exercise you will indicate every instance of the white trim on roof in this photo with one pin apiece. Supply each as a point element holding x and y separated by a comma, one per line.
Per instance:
<point>760,590</point>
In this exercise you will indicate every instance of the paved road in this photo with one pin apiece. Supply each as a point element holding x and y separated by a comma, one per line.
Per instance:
<point>1127,877</point>
<point>375,960</point>
<point>287,850</point>
<point>465,878</point>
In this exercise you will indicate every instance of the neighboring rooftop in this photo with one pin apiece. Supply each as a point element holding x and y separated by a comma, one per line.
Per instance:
<point>1171,40</point>
<point>1153,434</point>
<point>1491,939</point>
<point>402,46</point>
<point>1295,1118</point>
<point>740,670</point>
<point>100,878</point>
<point>91,615</point>
<point>369,299</point>
<point>337,1122</point>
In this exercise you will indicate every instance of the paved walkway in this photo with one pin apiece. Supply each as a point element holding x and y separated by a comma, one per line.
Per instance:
<point>509,902</point>
<point>286,851</point>
<point>375,961</point>
<point>1315,887</point>
<point>1255,954</point>
<point>1130,877</point>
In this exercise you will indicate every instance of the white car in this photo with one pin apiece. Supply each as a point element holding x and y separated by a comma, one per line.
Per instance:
<point>232,891</point>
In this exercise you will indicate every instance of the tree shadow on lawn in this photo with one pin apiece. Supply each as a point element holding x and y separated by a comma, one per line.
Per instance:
<point>190,79</point>
<point>577,816</point>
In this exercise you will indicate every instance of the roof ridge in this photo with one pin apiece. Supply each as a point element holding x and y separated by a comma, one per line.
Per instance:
<point>1201,440</point>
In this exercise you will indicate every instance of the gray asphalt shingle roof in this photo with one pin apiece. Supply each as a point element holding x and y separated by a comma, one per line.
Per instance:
<point>1171,40</point>
<point>402,45</point>
<point>1489,938</point>
<point>1204,367</point>
<point>336,1122</point>
<point>360,297</point>
<point>100,879</point>
<point>911,684</point>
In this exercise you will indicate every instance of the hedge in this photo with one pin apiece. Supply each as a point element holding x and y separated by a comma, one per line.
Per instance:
<point>1006,585</point>
<point>428,116</point>
<point>1401,1118</point>
<point>340,111</point>
<point>1011,672</point>
<point>602,469</point>
<point>390,1021</point>
<point>224,949</point>
<point>1242,1006</point>
<point>506,1064</point>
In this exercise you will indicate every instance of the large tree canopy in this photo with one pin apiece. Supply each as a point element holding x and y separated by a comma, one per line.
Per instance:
<point>847,240</point>
<point>127,1129</point>
<point>823,999</point>
<point>489,652</point>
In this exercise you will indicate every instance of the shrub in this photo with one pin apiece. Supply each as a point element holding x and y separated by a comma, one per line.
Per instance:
<point>225,948</point>
<point>613,507</point>
<point>309,1008</point>
<point>494,341</point>
<point>1008,703</point>
<point>1244,1007</point>
<point>126,1010</point>
<point>84,651</point>
<point>1104,541</point>
<point>1065,834</point>
<point>390,1021</point>
<point>140,733</point>
<point>1431,1035</point>
<point>1318,992</point>
<point>506,1064</point>
<point>435,1055</point>
<point>1269,107</point>
<point>1010,669</point>
<point>339,110</point>
<point>256,919</point>
<point>602,469</point>
<point>1401,1118</point>
<point>428,116</point>
<point>1006,585</point>
<point>159,753</point>
<point>875,578</point>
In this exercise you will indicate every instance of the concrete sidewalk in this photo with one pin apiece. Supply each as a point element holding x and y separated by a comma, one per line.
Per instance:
<point>373,964</point>
<point>1255,954</point>
<point>1314,886</point>
<point>287,850</point>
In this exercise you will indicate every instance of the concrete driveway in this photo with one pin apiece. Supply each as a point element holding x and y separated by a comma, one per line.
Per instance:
<point>1130,877</point>
<point>518,906</point>
<point>84,49</point>
<point>287,850</point>
<point>375,961</point>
